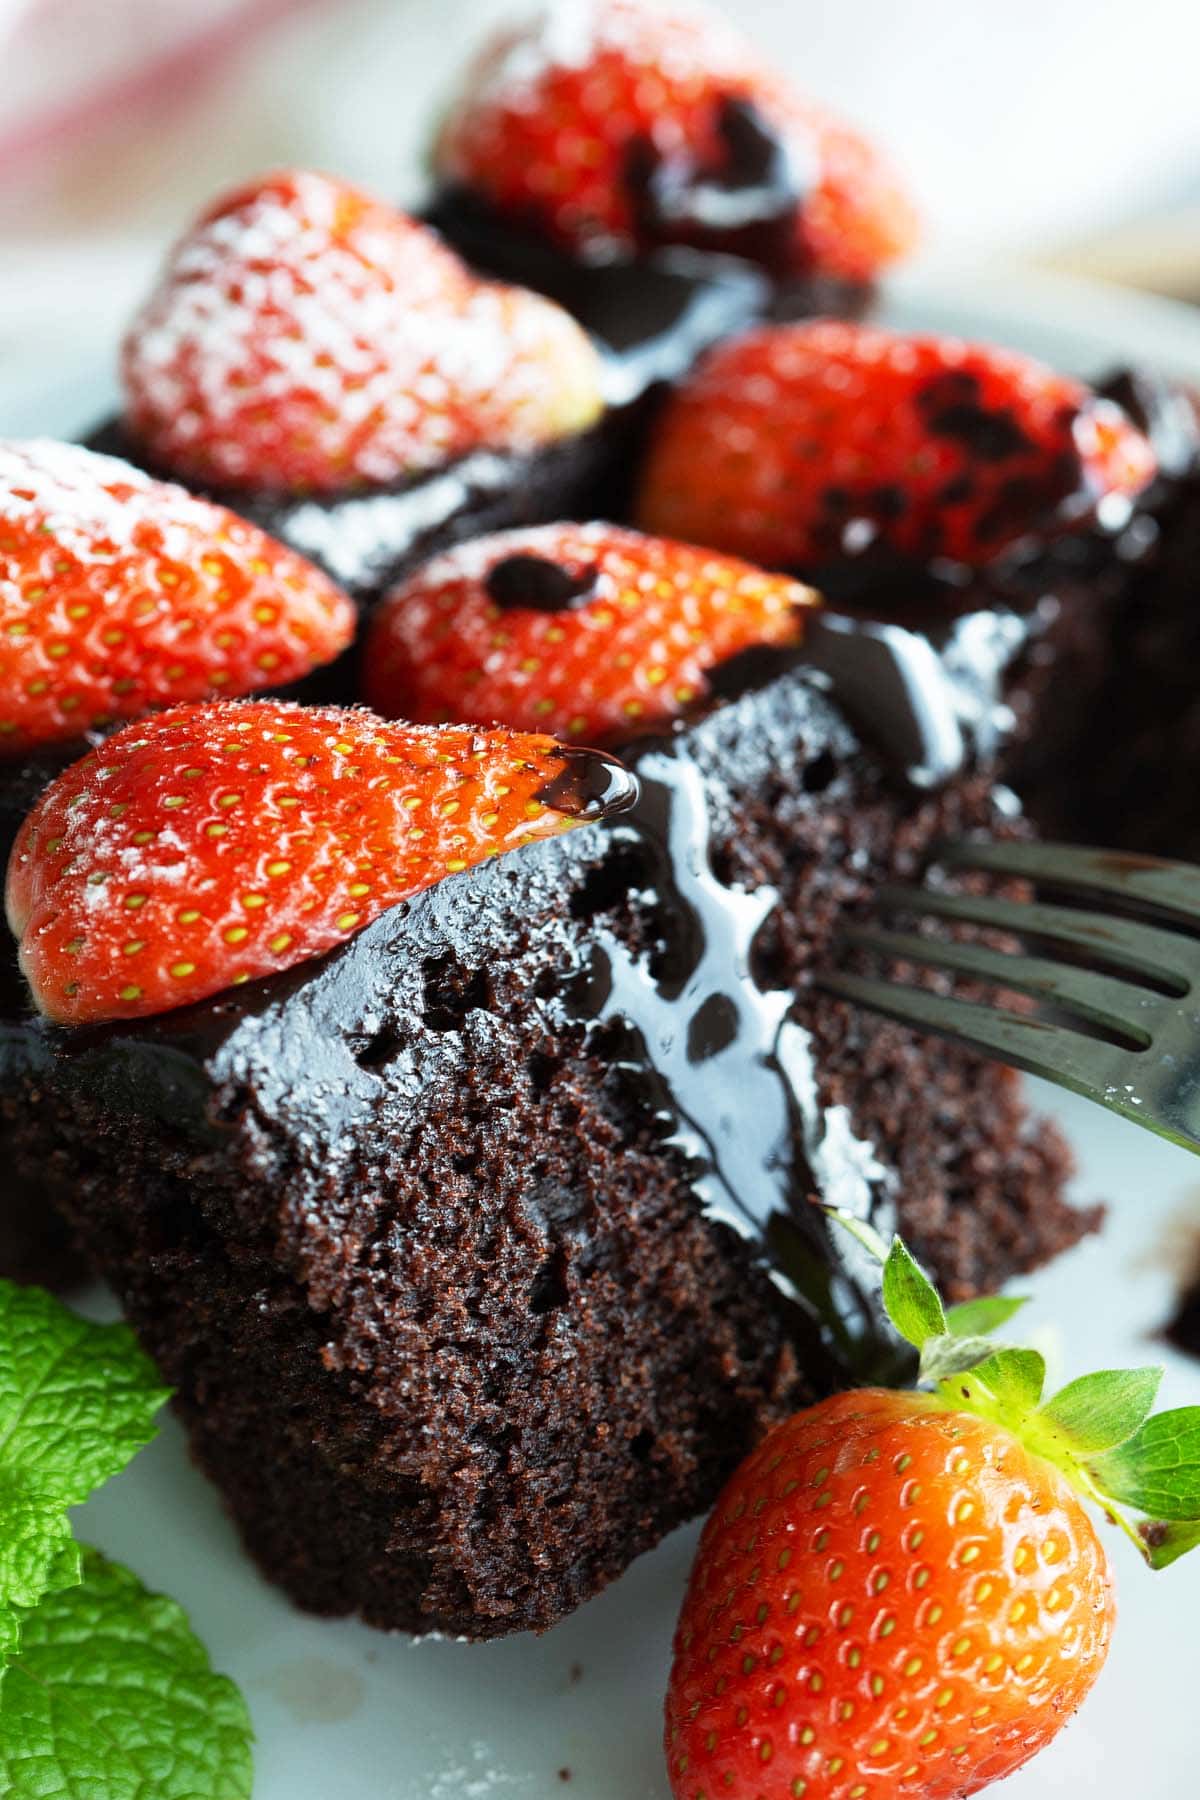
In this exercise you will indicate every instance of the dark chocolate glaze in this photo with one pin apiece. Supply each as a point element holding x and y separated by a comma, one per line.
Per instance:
<point>731,1072</point>
<point>538,584</point>
<point>744,204</point>
<point>590,785</point>
<point>652,315</point>
<point>1165,411</point>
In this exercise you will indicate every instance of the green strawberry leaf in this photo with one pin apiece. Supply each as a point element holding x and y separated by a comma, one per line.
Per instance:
<point>1163,1544</point>
<point>112,1695</point>
<point>1014,1379</point>
<point>910,1298</point>
<point>77,1400</point>
<point>1103,1409</point>
<point>1097,1430</point>
<point>979,1318</point>
<point>1157,1470</point>
<point>948,1355</point>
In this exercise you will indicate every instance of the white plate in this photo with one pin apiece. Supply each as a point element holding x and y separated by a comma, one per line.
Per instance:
<point>343,1713</point>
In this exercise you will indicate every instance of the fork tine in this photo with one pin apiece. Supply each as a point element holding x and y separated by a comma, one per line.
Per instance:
<point>1099,998</point>
<point>1052,1051</point>
<point>1130,946</point>
<point>1098,1071</point>
<point>1173,886</point>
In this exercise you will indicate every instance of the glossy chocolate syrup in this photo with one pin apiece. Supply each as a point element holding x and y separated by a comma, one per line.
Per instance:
<point>532,583</point>
<point>745,203</point>
<point>653,315</point>
<point>731,1073</point>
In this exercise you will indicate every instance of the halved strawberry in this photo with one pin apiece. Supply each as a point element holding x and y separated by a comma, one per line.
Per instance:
<point>119,594</point>
<point>583,630</point>
<point>801,445</point>
<point>612,125</point>
<point>217,843</point>
<point>304,335</point>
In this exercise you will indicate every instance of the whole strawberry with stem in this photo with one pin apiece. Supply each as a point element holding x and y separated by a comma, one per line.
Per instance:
<point>904,1593</point>
<point>305,336</point>
<point>586,631</point>
<point>615,125</point>
<point>811,445</point>
<point>119,594</point>
<point>214,844</point>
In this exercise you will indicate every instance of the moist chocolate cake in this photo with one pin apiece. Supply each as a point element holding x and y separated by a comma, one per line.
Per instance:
<point>480,1251</point>
<point>1117,665</point>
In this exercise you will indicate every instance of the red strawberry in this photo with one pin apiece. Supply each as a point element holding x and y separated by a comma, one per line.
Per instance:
<point>890,1598</point>
<point>119,594</point>
<point>798,445</point>
<point>214,844</point>
<point>306,336</point>
<point>582,630</point>
<point>612,125</point>
<point>902,1593</point>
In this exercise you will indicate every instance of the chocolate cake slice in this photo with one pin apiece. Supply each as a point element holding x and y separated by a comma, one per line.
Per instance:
<point>480,1251</point>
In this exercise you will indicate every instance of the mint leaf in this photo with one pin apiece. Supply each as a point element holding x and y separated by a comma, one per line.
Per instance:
<point>910,1298</point>
<point>112,1695</point>
<point>978,1318</point>
<point>1014,1378</point>
<point>77,1400</point>
<point>1102,1409</point>
<point>37,1552</point>
<point>1157,1471</point>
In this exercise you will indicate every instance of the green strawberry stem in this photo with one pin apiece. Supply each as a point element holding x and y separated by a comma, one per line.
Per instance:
<point>1141,1468</point>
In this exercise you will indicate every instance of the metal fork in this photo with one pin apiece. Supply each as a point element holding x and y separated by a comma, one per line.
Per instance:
<point>1119,1015</point>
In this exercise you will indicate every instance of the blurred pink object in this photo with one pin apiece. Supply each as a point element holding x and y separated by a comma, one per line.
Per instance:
<point>71,64</point>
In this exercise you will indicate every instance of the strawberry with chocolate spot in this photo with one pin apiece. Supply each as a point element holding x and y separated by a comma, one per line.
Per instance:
<point>305,336</point>
<point>119,594</point>
<point>587,631</point>
<point>214,844</point>
<point>802,445</point>
<point>612,126</point>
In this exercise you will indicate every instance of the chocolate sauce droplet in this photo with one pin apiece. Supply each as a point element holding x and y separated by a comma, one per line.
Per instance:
<point>745,205</point>
<point>590,785</point>
<point>539,584</point>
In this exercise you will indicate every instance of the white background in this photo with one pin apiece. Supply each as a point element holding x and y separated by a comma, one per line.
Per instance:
<point>1022,125</point>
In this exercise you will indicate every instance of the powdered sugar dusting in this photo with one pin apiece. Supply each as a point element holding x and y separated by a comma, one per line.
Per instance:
<point>119,593</point>
<point>93,505</point>
<point>551,107</point>
<point>686,39</point>
<point>311,336</point>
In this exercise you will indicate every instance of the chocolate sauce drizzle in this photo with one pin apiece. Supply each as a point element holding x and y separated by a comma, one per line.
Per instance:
<point>744,204</point>
<point>929,707</point>
<point>731,1074</point>
<point>539,584</point>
